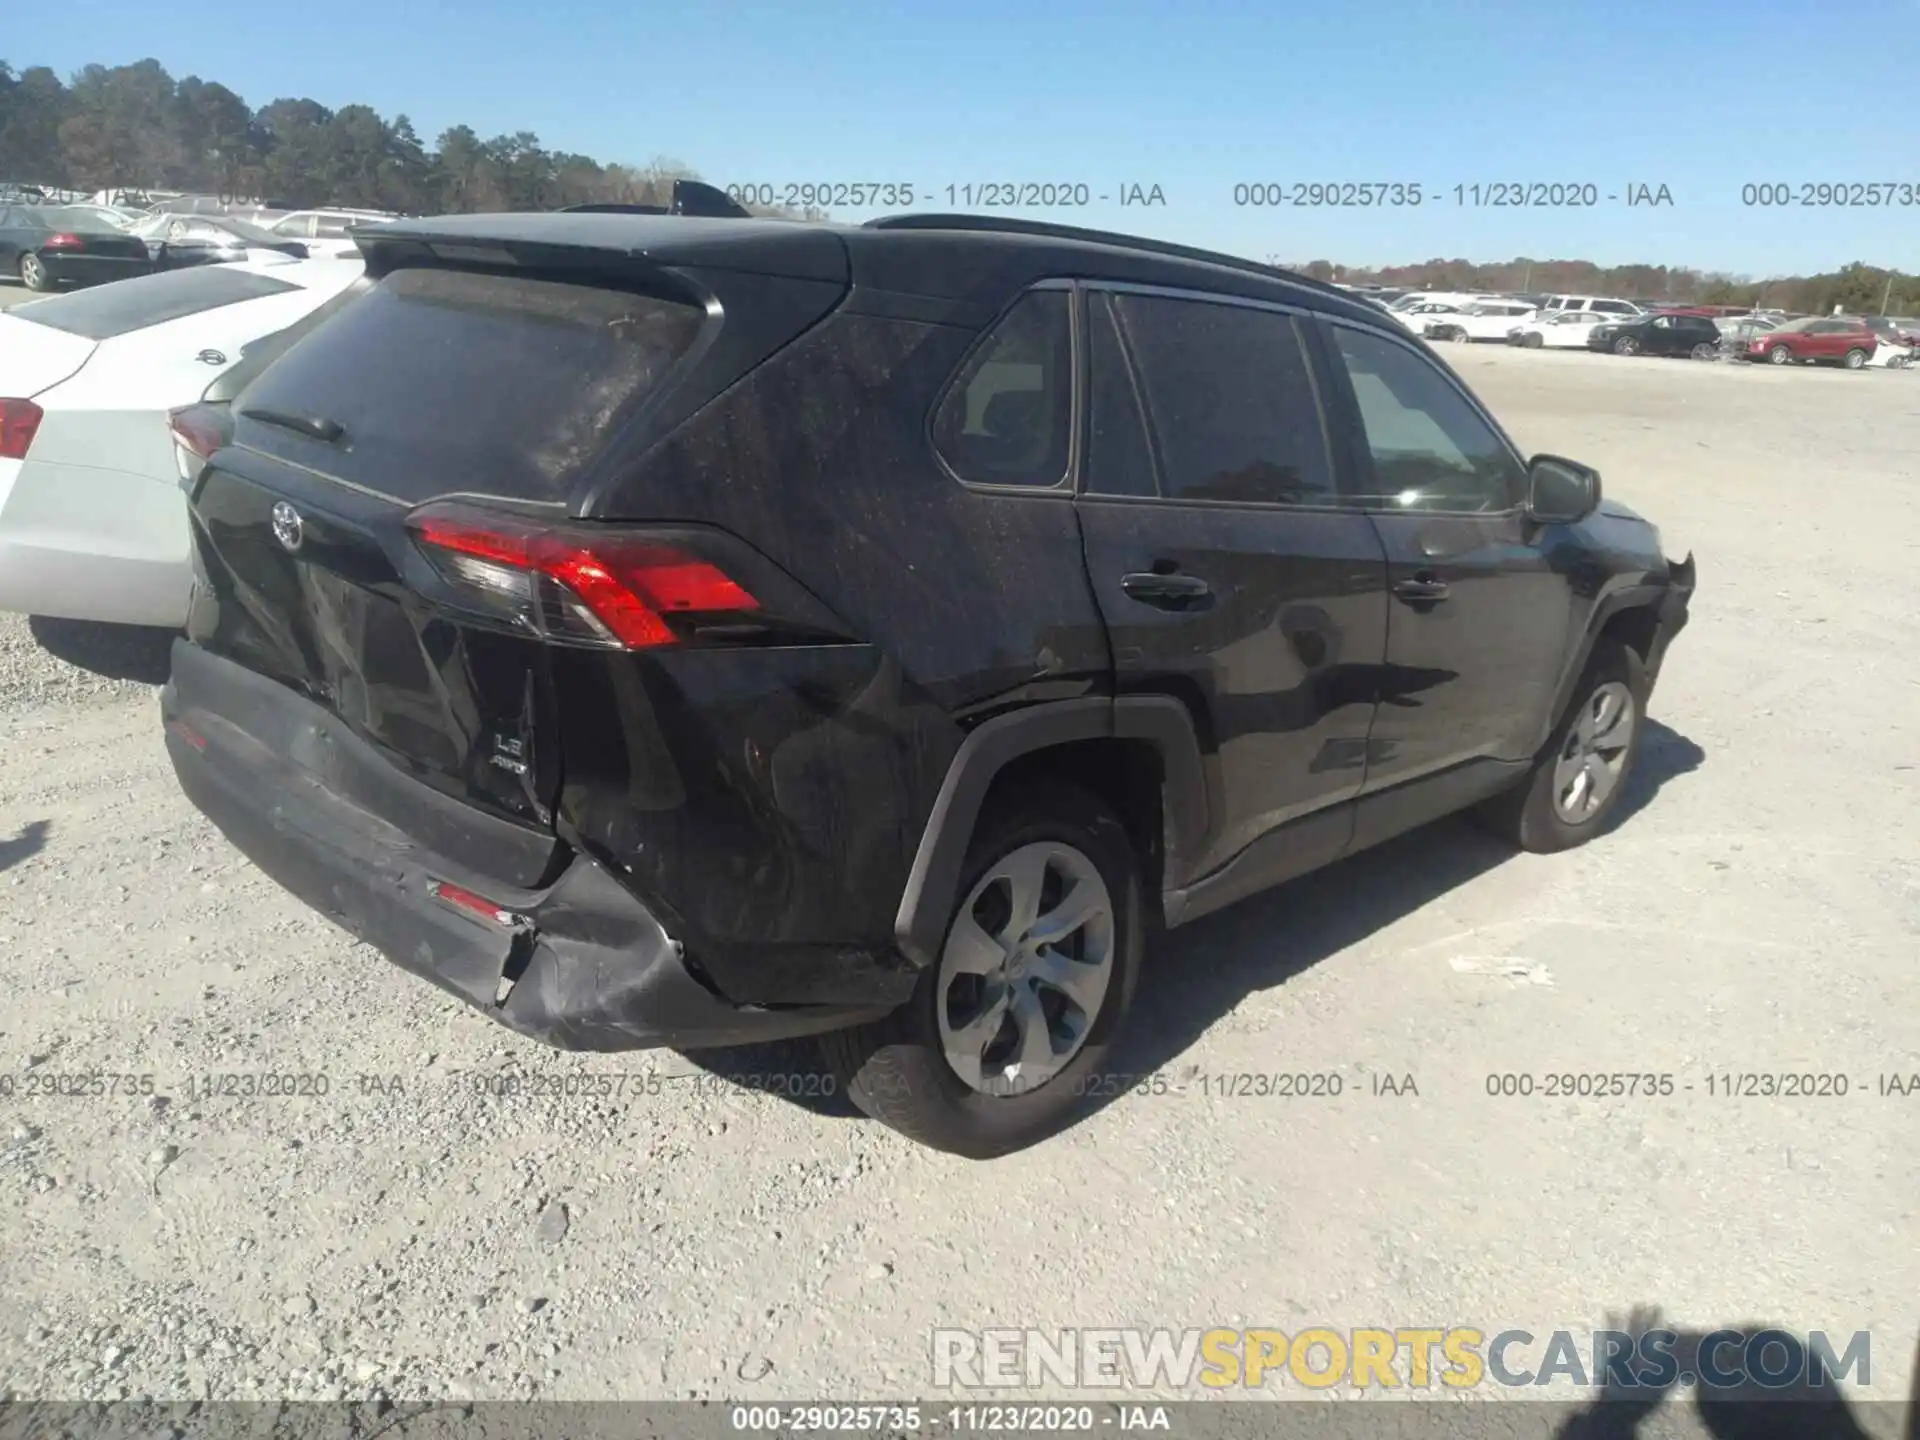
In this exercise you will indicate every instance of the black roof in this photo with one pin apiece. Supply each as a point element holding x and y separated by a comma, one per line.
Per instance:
<point>961,258</point>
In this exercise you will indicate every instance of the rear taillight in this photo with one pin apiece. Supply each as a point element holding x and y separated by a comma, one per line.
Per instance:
<point>19,420</point>
<point>198,431</point>
<point>63,242</point>
<point>572,584</point>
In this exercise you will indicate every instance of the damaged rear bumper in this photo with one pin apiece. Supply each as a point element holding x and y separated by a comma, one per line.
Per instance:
<point>579,963</point>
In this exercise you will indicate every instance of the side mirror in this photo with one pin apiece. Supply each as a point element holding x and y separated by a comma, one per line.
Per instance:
<point>1561,491</point>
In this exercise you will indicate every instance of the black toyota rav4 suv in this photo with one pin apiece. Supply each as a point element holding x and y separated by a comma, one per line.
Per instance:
<point>672,631</point>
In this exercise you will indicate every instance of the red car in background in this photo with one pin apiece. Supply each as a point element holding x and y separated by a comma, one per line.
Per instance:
<point>1833,340</point>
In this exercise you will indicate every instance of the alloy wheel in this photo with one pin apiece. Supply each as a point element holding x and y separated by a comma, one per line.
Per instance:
<point>1594,756</point>
<point>1025,970</point>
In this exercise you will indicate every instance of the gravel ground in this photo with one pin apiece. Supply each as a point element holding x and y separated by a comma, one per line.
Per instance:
<point>406,1234</point>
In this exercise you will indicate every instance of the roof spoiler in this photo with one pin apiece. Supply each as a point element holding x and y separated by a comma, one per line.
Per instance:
<point>690,197</point>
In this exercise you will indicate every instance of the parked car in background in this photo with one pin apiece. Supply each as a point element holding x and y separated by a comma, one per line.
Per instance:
<point>191,205</point>
<point>93,524</point>
<point>1829,340</point>
<point>1891,329</point>
<point>482,664</point>
<point>1559,329</point>
<point>177,241</point>
<point>1691,335</point>
<point>1489,320</point>
<point>1598,304</point>
<point>324,232</point>
<point>131,199</point>
<point>1737,330</point>
<point>51,245</point>
<point>112,216</point>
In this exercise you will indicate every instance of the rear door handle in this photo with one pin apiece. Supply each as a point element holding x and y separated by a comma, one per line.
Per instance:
<point>1169,592</point>
<point>1422,589</point>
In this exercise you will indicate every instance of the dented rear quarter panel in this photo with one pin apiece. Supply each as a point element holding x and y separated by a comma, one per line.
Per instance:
<point>780,795</point>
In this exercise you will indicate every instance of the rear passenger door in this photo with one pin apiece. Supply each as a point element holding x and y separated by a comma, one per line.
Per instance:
<point>1230,570</point>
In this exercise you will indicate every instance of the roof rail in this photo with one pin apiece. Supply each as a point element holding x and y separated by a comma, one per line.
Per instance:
<point>1009,226</point>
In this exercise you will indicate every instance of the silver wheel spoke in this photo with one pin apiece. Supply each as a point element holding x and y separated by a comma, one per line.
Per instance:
<point>1614,732</point>
<point>1086,899</point>
<point>970,950</point>
<point>1575,798</point>
<point>1033,1061</point>
<point>1600,778</point>
<point>1026,875</point>
<point>966,1044</point>
<point>1082,983</point>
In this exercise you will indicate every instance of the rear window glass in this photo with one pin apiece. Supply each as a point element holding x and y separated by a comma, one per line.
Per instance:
<point>127,305</point>
<point>443,380</point>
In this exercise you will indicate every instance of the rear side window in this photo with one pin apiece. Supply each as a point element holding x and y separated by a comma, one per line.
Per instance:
<point>1006,417</point>
<point>444,380</point>
<point>1230,401</point>
<point>128,305</point>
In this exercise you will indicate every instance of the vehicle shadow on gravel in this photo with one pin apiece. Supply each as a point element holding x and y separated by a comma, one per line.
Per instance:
<point>31,840</point>
<point>1198,973</point>
<point>1808,1406</point>
<point>1205,969</point>
<point>140,653</point>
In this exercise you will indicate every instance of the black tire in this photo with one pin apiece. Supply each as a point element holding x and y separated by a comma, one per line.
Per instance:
<point>1705,352</point>
<point>1626,345</point>
<point>33,272</point>
<point>1854,358</point>
<point>1525,816</point>
<point>1534,342</point>
<point>1779,355</point>
<point>895,1069</point>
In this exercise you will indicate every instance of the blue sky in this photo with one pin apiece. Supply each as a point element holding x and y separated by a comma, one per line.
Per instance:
<point>1195,96</point>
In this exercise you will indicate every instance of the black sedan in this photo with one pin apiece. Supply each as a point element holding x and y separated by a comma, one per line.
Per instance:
<point>177,241</point>
<point>46,245</point>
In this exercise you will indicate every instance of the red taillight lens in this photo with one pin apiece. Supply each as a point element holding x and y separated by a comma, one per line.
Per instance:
<point>19,422</point>
<point>569,584</point>
<point>63,242</point>
<point>198,431</point>
<point>474,904</point>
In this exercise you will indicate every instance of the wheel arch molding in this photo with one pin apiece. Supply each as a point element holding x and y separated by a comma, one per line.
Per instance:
<point>1162,721</point>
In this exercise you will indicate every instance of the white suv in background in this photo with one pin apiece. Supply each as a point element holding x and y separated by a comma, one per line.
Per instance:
<point>1421,309</point>
<point>1486,320</point>
<point>1597,304</point>
<point>324,232</point>
<point>1559,329</point>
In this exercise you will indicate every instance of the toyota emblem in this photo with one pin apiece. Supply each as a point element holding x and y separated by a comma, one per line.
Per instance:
<point>288,528</point>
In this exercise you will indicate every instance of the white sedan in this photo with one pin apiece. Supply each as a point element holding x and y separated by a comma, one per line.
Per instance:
<point>1559,329</point>
<point>1489,320</point>
<point>1422,313</point>
<point>93,523</point>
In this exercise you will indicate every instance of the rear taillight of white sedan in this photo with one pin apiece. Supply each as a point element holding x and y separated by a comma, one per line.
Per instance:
<point>19,423</point>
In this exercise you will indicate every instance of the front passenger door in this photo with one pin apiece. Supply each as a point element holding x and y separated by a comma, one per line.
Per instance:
<point>1481,609</point>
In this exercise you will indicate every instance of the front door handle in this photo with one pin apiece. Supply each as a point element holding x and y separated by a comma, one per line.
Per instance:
<point>1169,592</point>
<point>1421,590</point>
